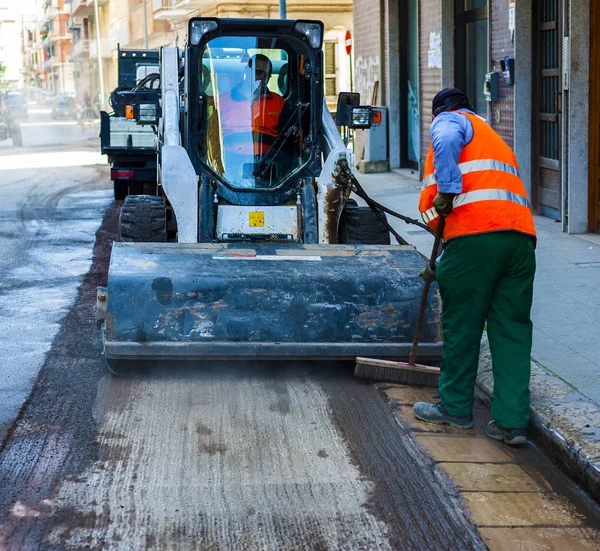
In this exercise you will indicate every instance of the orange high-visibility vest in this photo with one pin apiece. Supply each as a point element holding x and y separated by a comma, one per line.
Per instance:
<point>261,117</point>
<point>493,196</point>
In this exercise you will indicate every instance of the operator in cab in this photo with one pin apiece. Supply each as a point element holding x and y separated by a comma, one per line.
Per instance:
<point>252,116</point>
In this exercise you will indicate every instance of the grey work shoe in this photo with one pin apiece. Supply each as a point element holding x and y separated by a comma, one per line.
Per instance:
<point>512,437</point>
<point>436,413</point>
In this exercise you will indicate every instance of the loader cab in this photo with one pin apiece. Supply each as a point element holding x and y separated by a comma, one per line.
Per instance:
<point>255,97</point>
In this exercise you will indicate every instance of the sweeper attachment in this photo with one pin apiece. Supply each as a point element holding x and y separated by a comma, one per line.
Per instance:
<point>251,246</point>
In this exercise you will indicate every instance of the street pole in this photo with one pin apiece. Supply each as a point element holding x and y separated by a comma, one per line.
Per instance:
<point>99,53</point>
<point>282,10</point>
<point>146,26</point>
<point>61,65</point>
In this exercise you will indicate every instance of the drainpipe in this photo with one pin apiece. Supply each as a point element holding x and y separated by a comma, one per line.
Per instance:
<point>282,10</point>
<point>146,26</point>
<point>99,52</point>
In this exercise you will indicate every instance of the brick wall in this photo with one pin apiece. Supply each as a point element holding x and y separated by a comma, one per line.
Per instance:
<point>367,48</point>
<point>502,111</point>
<point>367,41</point>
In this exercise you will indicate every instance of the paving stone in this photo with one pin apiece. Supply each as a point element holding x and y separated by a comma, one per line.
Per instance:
<point>540,539</point>
<point>469,449</point>
<point>520,509</point>
<point>491,477</point>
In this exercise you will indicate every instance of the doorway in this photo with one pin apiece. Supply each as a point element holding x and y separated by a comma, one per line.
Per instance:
<point>408,27</point>
<point>547,108</point>
<point>472,45</point>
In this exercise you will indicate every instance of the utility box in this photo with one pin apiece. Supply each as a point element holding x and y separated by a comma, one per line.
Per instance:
<point>375,158</point>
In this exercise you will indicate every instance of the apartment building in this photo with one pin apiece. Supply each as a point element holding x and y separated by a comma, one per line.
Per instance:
<point>57,69</point>
<point>10,46</point>
<point>156,23</point>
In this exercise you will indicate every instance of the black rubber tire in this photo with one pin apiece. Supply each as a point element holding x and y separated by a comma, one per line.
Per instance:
<point>361,226</point>
<point>121,189</point>
<point>143,219</point>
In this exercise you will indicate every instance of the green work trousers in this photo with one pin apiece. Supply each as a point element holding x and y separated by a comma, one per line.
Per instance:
<point>487,277</point>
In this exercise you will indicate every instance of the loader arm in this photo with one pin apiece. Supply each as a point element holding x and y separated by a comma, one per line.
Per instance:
<point>176,175</point>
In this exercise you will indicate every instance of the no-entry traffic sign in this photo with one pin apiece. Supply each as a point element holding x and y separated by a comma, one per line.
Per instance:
<point>348,42</point>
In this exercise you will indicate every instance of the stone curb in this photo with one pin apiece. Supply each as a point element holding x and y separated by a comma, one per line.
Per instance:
<point>564,423</point>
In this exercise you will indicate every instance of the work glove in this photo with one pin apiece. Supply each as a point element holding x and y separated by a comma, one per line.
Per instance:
<point>427,273</point>
<point>443,203</point>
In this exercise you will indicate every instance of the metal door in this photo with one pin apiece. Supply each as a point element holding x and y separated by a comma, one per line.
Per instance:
<point>547,105</point>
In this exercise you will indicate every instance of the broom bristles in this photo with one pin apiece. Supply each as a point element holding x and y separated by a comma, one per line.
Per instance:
<point>397,372</point>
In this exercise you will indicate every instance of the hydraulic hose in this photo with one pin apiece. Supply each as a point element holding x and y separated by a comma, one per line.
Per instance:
<point>344,175</point>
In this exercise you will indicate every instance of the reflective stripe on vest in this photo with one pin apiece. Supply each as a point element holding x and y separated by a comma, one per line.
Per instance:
<point>479,195</point>
<point>493,197</point>
<point>475,166</point>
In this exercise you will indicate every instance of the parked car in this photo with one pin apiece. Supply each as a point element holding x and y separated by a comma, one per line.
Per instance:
<point>43,97</point>
<point>9,127</point>
<point>64,107</point>
<point>17,103</point>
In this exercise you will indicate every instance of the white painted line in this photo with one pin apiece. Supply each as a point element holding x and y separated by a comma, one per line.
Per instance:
<point>53,123</point>
<point>266,257</point>
<point>51,160</point>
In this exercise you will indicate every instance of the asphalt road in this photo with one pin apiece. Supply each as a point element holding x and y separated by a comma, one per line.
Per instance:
<point>215,456</point>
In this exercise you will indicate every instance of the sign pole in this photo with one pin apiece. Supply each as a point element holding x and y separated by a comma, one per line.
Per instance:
<point>348,43</point>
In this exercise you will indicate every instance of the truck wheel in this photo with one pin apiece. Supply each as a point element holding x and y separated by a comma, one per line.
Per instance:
<point>120,188</point>
<point>360,226</point>
<point>143,219</point>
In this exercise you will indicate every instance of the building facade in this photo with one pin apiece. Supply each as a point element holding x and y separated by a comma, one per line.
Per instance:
<point>156,23</point>
<point>10,46</point>
<point>526,66</point>
<point>56,43</point>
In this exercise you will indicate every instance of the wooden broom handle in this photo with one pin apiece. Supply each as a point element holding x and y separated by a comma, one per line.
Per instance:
<point>436,246</point>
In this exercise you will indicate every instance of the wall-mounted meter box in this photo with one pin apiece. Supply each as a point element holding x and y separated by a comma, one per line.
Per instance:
<point>508,69</point>
<point>490,87</point>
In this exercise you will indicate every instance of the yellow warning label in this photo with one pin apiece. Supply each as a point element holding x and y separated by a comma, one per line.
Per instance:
<point>257,219</point>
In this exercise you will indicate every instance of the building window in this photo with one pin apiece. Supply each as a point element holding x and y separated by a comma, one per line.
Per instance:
<point>330,50</point>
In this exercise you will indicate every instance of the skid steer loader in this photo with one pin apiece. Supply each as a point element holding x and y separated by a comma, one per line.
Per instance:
<point>250,248</point>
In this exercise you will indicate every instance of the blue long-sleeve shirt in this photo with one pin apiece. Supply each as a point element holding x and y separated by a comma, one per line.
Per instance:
<point>450,132</point>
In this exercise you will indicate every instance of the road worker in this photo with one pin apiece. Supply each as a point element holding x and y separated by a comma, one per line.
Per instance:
<point>251,115</point>
<point>486,271</point>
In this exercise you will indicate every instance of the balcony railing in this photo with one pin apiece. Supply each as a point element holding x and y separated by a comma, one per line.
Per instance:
<point>80,8</point>
<point>106,48</point>
<point>158,5</point>
<point>84,8</point>
<point>168,9</point>
<point>80,49</point>
<point>52,62</point>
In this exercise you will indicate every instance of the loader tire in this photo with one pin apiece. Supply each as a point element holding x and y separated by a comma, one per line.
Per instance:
<point>143,219</point>
<point>361,226</point>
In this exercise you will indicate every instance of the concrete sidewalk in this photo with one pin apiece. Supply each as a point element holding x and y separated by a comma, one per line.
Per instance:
<point>566,339</point>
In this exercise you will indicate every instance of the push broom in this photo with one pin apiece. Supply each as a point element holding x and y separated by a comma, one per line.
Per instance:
<point>409,373</point>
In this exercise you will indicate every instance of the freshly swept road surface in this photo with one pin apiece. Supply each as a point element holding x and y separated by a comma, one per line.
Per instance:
<point>219,456</point>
